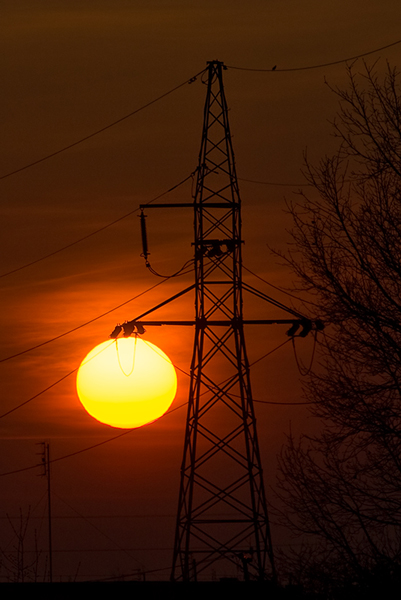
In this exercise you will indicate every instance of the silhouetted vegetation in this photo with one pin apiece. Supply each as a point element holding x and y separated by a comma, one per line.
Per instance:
<point>342,487</point>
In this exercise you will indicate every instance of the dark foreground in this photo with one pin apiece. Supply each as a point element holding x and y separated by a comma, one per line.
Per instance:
<point>252,590</point>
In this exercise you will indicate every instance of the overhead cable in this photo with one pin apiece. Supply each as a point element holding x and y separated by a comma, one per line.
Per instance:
<point>91,135</point>
<point>273,183</point>
<point>38,394</point>
<point>103,533</point>
<point>186,268</point>
<point>304,371</point>
<point>93,446</point>
<point>85,237</point>
<point>280,305</point>
<point>269,353</point>
<point>52,385</point>
<point>308,67</point>
<point>115,437</point>
<point>61,335</point>
<point>282,403</point>
<point>278,288</point>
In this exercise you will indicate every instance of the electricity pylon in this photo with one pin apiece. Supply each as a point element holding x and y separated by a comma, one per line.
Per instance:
<point>222,514</point>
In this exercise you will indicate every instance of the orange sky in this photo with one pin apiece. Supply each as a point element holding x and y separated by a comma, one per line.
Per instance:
<point>68,69</point>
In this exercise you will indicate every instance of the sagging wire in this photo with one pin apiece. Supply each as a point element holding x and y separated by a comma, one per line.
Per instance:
<point>301,368</point>
<point>99,530</point>
<point>167,359</point>
<point>39,394</point>
<point>251,365</point>
<point>274,69</point>
<point>205,76</point>
<point>268,353</point>
<point>186,268</point>
<point>279,289</point>
<point>275,183</point>
<point>91,135</point>
<point>85,237</point>
<point>57,337</point>
<point>52,385</point>
<point>145,253</point>
<point>282,403</point>
<point>133,358</point>
<point>112,439</point>
<point>128,431</point>
<point>175,366</point>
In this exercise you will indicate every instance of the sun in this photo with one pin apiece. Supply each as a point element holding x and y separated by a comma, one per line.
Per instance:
<point>126,382</point>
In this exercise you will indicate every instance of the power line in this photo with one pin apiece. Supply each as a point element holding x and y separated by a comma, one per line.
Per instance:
<point>67,333</point>
<point>270,352</point>
<point>76,369</point>
<point>96,231</point>
<point>124,432</point>
<point>274,183</point>
<point>250,365</point>
<point>38,394</point>
<point>53,384</point>
<point>57,337</point>
<point>61,335</point>
<point>89,521</point>
<point>134,573</point>
<point>110,439</point>
<point>308,67</point>
<point>283,403</point>
<point>304,371</point>
<point>278,288</point>
<point>268,401</point>
<point>54,460</point>
<point>34,262</point>
<point>91,135</point>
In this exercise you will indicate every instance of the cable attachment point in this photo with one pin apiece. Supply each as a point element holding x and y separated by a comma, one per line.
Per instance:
<point>116,332</point>
<point>307,326</point>
<point>129,328</point>
<point>216,248</point>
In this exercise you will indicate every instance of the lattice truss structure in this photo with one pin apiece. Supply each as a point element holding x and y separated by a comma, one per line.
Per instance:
<point>222,520</point>
<point>222,514</point>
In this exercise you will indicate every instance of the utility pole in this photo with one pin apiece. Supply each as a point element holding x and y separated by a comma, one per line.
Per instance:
<point>46,473</point>
<point>222,518</point>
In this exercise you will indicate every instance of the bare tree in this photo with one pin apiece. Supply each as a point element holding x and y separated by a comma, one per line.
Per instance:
<point>14,561</point>
<point>342,487</point>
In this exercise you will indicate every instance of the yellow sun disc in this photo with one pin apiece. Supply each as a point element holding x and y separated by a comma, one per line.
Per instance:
<point>126,382</point>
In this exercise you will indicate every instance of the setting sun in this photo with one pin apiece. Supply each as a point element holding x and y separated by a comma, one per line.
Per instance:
<point>126,382</point>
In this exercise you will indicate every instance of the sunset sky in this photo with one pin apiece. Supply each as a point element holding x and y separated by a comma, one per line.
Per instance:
<point>68,69</point>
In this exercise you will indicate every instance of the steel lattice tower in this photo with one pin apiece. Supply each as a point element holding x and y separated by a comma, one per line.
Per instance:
<point>222,512</point>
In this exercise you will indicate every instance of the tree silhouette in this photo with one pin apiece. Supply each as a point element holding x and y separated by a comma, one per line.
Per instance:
<point>342,487</point>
